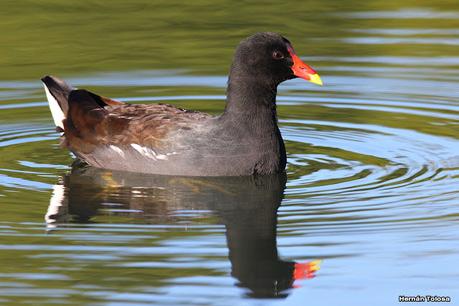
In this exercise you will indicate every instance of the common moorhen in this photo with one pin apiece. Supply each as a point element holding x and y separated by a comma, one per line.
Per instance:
<point>164,139</point>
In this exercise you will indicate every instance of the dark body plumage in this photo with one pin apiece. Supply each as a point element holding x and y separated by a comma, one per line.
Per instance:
<point>164,139</point>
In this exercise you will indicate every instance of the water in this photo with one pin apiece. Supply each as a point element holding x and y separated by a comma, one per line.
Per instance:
<point>373,169</point>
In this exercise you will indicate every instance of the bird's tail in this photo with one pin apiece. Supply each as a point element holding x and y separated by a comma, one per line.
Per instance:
<point>57,93</point>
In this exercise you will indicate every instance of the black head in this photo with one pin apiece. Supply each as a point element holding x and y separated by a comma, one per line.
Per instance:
<point>269,58</point>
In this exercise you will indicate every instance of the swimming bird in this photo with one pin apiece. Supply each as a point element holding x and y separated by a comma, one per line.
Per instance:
<point>164,139</point>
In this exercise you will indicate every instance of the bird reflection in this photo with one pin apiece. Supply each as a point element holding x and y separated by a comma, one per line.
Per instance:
<point>247,206</point>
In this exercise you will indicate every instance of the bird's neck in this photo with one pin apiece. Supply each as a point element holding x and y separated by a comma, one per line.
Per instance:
<point>252,104</point>
<point>250,120</point>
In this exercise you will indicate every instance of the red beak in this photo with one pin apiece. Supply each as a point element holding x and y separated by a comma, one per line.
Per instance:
<point>303,70</point>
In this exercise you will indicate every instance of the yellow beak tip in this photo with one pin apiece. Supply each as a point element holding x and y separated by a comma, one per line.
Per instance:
<point>315,78</point>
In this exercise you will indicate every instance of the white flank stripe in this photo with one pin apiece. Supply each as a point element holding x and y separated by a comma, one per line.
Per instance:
<point>117,150</point>
<point>56,111</point>
<point>147,152</point>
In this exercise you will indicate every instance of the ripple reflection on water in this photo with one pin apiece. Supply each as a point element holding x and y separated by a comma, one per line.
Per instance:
<point>371,191</point>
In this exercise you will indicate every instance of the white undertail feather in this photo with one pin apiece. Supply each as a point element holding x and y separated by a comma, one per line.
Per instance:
<point>56,111</point>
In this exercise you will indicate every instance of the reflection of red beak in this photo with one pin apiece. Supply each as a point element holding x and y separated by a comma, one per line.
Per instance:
<point>303,70</point>
<point>306,269</point>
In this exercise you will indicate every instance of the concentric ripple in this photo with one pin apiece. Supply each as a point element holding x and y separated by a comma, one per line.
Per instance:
<point>371,189</point>
<point>356,164</point>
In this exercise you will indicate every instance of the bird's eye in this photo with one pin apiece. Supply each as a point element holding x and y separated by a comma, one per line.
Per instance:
<point>278,55</point>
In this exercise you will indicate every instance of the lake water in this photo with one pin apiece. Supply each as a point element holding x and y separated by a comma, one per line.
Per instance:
<point>369,209</point>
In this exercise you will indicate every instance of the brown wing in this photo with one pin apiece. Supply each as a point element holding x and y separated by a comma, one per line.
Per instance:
<point>95,121</point>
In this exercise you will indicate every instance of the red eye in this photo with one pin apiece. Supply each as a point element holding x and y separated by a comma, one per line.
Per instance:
<point>278,55</point>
